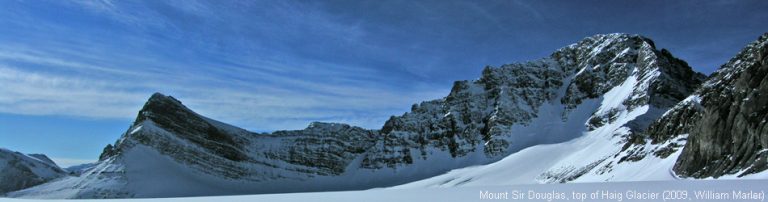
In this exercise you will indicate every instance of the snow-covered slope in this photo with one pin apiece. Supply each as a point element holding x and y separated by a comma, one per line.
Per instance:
<point>746,190</point>
<point>590,158</point>
<point>601,90</point>
<point>19,171</point>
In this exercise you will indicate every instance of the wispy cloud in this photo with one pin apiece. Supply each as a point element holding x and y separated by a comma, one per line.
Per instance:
<point>19,55</point>
<point>248,74</point>
<point>259,107</point>
<point>45,94</point>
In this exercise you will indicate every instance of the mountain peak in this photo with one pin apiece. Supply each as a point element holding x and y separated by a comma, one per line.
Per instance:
<point>160,104</point>
<point>157,95</point>
<point>636,39</point>
<point>158,98</point>
<point>165,113</point>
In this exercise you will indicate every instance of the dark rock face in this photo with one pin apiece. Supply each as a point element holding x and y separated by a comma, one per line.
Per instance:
<point>730,131</point>
<point>679,81</point>
<point>328,147</point>
<point>169,114</point>
<point>612,63</point>
<point>475,115</point>
<point>108,151</point>
<point>679,120</point>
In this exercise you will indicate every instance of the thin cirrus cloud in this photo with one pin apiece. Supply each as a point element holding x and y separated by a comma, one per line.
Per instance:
<point>219,71</point>
<point>269,65</point>
<point>257,106</point>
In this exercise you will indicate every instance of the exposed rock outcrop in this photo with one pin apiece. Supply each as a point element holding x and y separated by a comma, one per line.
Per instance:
<point>730,134</point>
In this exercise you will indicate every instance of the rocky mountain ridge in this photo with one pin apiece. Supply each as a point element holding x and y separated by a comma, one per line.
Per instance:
<point>481,113</point>
<point>614,90</point>
<point>720,138</point>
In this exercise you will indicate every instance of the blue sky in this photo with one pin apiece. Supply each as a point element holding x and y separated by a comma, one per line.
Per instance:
<point>73,74</point>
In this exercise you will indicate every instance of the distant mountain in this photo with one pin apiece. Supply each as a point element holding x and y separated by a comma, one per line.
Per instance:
<point>592,111</point>
<point>19,171</point>
<point>80,169</point>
